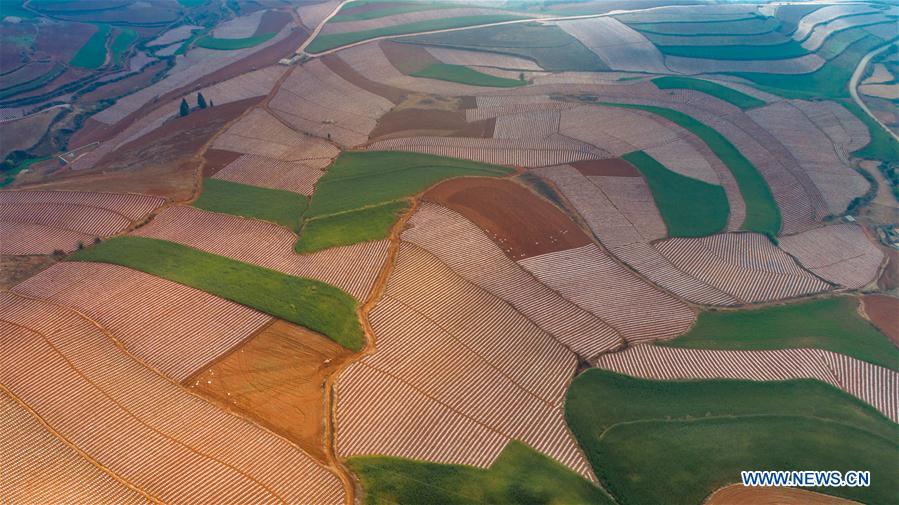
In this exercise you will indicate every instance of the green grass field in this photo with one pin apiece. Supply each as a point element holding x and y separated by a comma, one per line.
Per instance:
<point>281,207</point>
<point>347,228</point>
<point>332,40</point>
<point>520,475</point>
<point>465,75</point>
<point>210,42</point>
<point>678,441</point>
<point>832,324</point>
<point>122,42</point>
<point>882,146</point>
<point>762,213</point>
<point>741,100</point>
<point>307,302</point>
<point>361,194</point>
<point>689,207</point>
<point>93,53</point>
<point>790,49</point>
<point>550,46</point>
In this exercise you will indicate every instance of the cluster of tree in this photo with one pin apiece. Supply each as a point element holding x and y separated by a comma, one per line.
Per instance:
<point>201,104</point>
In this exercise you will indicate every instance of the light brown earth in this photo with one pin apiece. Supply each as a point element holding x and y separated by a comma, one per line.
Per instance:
<point>407,58</point>
<point>277,377</point>
<point>217,159</point>
<point>26,132</point>
<point>520,222</point>
<point>883,311</point>
<point>348,73</point>
<point>612,167</point>
<point>430,122</point>
<point>15,269</point>
<point>272,21</point>
<point>430,102</point>
<point>889,279</point>
<point>737,494</point>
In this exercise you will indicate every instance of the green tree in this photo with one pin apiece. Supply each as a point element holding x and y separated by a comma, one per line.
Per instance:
<point>201,100</point>
<point>185,109</point>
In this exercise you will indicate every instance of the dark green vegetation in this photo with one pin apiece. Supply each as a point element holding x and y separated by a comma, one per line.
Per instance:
<point>882,145</point>
<point>832,324</point>
<point>332,40</point>
<point>689,207</point>
<point>210,42</point>
<point>93,53</point>
<point>121,43</point>
<point>465,75</point>
<point>731,95</point>
<point>10,167</point>
<point>391,8</point>
<point>192,3</point>
<point>278,206</point>
<point>351,199</point>
<point>347,228</point>
<point>678,441</point>
<point>520,475</point>
<point>762,214</point>
<point>790,49</point>
<point>550,46</point>
<point>754,25</point>
<point>14,8</point>
<point>307,302</point>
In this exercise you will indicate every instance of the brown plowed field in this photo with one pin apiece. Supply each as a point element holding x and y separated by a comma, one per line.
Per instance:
<point>344,70</point>
<point>889,279</point>
<point>277,377</point>
<point>126,85</point>
<point>516,219</point>
<point>737,494</point>
<point>883,311</point>
<point>407,58</point>
<point>217,159</point>
<point>15,269</point>
<point>429,122</point>
<point>615,167</point>
<point>272,21</point>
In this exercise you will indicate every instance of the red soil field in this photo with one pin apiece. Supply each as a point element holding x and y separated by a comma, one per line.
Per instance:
<point>430,122</point>
<point>217,159</point>
<point>277,378</point>
<point>517,220</point>
<point>737,494</point>
<point>15,269</point>
<point>344,70</point>
<point>612,167</point>
<point>62,44</point>
<point>129,84</point>
<point>883,311</point>
<point>407,58</point>
<point>272,21</point>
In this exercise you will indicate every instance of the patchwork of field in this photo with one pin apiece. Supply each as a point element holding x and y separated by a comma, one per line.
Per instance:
<point>841,254</point>
<point>41,222</point>
<point>272,173</point>
<point>261,134</point>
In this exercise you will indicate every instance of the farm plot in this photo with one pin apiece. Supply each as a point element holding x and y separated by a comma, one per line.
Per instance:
<point>846,132</point>
<point>799,65</point>
<point>468,251</point>
<point>174,328</point>
<point>312,14</point>
<point>271,173</point>
<point>620,47</point>
<point>717,90</point>
<point>808,23</point>
<point>486,392</point>
<point>40,222</point>
<point>240,27</point>
<point>531,125</point>
<point>177,34</point>
<point>822,31</point>
<point>273,205</point>
<point>832,175</point>
<point>82,385</point>
<point>317,101</point>
<point>471,58</point>
<point>40,468</point>
<point>840,253</point>
<point>260,134</point>
<point>510,152</point>
<point>745,265</point>
<point>595,282</point>
<point>874,385</point>
<point>405,18</point>
<point>736,494</point>
<point>632,198</point>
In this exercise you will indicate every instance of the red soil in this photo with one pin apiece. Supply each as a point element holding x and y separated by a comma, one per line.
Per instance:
<point>129,84</point>
<point>407,58</point>
<point>613,166</point>
<point>61,43</point>
<point>737,494</point>
<point>344,70</point>
<point>272,22</point>
<point>417,122</point>
<point>217,159</point>
<point>519,221</point>
<point>15,269</point>
<point>883,311</point>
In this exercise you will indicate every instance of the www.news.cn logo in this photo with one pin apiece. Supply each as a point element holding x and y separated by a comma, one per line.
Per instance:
<point>806,478</point>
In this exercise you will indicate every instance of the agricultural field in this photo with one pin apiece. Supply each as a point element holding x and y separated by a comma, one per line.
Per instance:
<point>447,251</point>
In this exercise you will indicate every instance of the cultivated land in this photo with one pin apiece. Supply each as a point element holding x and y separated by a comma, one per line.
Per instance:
<point>280,207</point>
<point>725,93</point>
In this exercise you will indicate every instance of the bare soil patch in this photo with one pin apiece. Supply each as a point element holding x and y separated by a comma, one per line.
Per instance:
<point>519,221</point>
<point>15,269</point>
<point>272,21</point>
<point>407,58</point>
<point>217,159</point>
<point>430,102</point>
<point>430,122</point>
<point>372,7</point>
<point>613,167</point>
<point>343,69</point>
<point>277,377</point>
<point>883,311</point>
<point>26,132</point>
<point>737,494</point>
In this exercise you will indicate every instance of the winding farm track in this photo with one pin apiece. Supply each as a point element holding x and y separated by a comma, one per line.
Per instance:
<point>856,77</point>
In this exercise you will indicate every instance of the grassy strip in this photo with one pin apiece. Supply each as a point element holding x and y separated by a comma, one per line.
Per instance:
<point>122,42</point>
<point>730,95</point>
<point>736,27</point>
<point>210,42</point>
<point>386,11</point>
<point>658,441</point>
<point>762,214</point>
<point>347,228</point>
<point>519,475</point>
<point>93,53</point>
<point>832,324</point>
<point>282,207</point>
<point>41,80</point>
<point>307,302</point>
<point>465,75</point>
<point>789,49</point>
<point>332,40</point>
<point>882,145</point>
<point>689,207</point>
